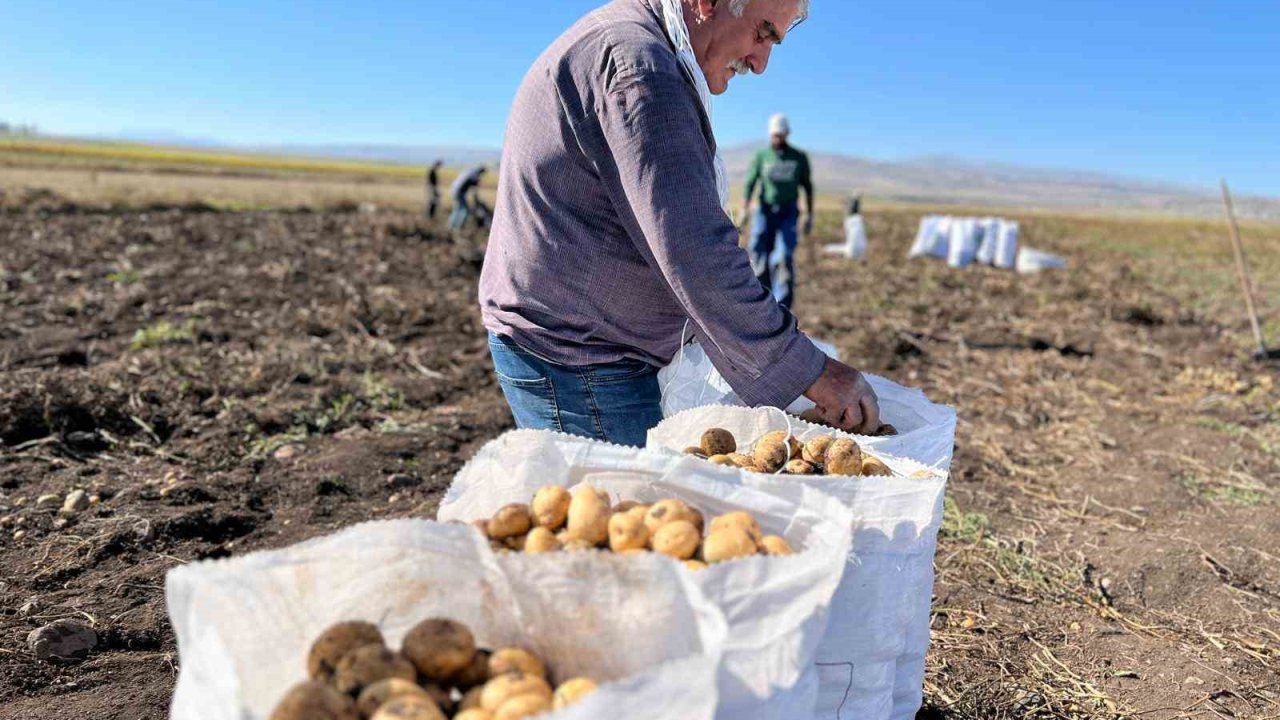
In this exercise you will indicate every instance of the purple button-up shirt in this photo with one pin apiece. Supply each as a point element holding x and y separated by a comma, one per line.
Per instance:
<point>608,233</point>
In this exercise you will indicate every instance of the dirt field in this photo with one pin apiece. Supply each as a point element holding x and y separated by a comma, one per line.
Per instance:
<point>222,382</point>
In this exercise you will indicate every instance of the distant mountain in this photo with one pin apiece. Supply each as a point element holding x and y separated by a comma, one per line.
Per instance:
<point>452,155</point>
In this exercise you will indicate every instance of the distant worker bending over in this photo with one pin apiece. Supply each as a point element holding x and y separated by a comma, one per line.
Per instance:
<point>463,191</point>
<point>782,172</point>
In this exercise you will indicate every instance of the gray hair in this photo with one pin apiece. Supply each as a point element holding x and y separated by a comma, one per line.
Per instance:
<point>738,6</point>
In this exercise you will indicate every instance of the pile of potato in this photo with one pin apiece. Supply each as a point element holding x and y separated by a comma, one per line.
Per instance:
<point>779,452</point>
<point>438,673</point>
<point>586,519</point>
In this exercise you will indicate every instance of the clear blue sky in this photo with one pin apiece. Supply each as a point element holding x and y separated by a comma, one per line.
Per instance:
<point>1179,90</point>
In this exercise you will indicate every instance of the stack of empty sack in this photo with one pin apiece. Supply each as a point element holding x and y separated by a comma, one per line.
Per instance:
<point>963,241</point>
<point>827,619</point>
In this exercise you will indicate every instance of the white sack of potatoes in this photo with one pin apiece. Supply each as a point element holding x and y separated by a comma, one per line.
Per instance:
<point>639,626</point>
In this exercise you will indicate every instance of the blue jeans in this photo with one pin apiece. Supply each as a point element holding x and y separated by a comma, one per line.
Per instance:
<point>461,211</point>
<point>775,269</point>
<point>617,402</point>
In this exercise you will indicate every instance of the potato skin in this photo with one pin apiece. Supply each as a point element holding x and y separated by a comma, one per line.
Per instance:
<point>522,706</point>
<point>695,565</point>
<point>815,451</point>
<point>514,659</point>
<point>439,648</point>
<point>875,467</point>
<point>511,521</point>
<point>409,707</point>
<point>679,539</point>
<point>474,714</point>
<point>799,467</point>
<point>336,641</point>
<point>514,684</point>
<point>723,460</point>
<point>727,544</point>
<point>541,540</point>
<point>738,519</point>
<point>670,510</point>
<point>794,446</point>
<point>844,457</point>
<point>571,691</point>
<point>627,531</point>
<point>474,674</point>
<point>746,462</point>
<point>589,516</point>
<point>315,700</point>
<point>774,545</point>
<point>551,507</point>
<point>718,441</point>
<point>378,694</point>
<point>770,456</point>
<point>471,699</point>
<point>367,665</point>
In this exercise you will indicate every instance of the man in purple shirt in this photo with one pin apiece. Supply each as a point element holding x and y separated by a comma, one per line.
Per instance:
<point>610,246</point>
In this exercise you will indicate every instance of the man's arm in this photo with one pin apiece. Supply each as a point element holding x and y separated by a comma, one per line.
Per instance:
<point>806,184</point>
<point>657,167</point>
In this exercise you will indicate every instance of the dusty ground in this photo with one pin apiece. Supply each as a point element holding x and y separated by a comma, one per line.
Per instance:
<point>225,382</point>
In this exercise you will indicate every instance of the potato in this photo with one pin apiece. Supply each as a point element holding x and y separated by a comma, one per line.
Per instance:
<point>815,451</point>
<point>440,648</point>
<point>874,466</point>
<point>671,510</point>
<point>571,691</point>
<point>795,447</point>
<point>515,542</point>
<point>799,467</point>
<point>314,700</point>
<point>695,450</point>
<point>627,531</point>
<point>727,544</point>
<point>738,519</point>
<point>721,460</point>
<point>844,457</point>
<point>514,659</point>
<point>376,695</point>
<point>774,545</point>
<point>551,507</point>
<point>367,665</point>
<point>442,696</point>
<point>574,544</point>
<point>541,540</point>
<point>474,714</point>
<point>677,539</point>
<point>510,521</point>
<point>769,457</point>
<point>409,707</point>
<point>337,641</point>
<point>522,706</point>
<point>589,515</point>
<point>513,684</point>
<point>627,506</point>
<point>474,674</point>
<point>745,462</point>
<point>695,565</point>
<point>717,441</point>
<point>471,699</point>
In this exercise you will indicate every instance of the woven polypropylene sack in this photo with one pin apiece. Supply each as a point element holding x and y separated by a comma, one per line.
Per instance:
<point>776,607</point>
<point>244,625</point>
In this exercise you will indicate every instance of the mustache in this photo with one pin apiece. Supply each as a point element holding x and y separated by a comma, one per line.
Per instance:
<point>740,67</point>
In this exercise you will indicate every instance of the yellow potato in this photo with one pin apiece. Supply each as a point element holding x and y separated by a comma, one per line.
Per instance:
<point>677,539</point>
<point>815,451</point>
<point>510,521</point>
<point>551,507</point>
<point>522,706</point>
<point>695,565</point>
<point>844,457</point>
<point>665,511</point>
<point>721,460</point>
<point>475,673</point>
<point>774,545</point>
<point>739,519</point>
<point>874,466</point>
<point>541,540</point>
<point>409,707</point>
<point>795,447</point>
<point>337,641</point>
<point>769,456</point>
<point>745,462</point>
<point>627,531</point>
<point>474,714</point>
<point>514,684</point>
<point>571,691</point>
<point>717,441</point>
<point>314,700</point>
<point>440,648</point>
<point>589,515</point>
<point>367,665</point>
<point>727,544</point>
<point>377,694</point>
<point>627,506</point>
<point>514,659</point>
<point>799,467</point>
<point>471,699</point>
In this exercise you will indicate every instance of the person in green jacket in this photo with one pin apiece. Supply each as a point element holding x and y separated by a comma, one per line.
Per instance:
<point>781,171</point>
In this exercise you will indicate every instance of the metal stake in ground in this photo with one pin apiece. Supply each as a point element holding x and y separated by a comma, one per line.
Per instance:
<point>1242,269</point>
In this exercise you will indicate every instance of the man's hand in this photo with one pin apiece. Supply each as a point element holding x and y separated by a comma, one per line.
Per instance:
<point>845,400</point>
<point>808,224</point>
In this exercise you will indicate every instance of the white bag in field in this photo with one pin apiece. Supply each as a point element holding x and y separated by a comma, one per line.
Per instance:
<point>933,238</point>
<point>244,625</point>
<point>1031,260</point>
<point>989,235</point>
<point>872,658</point>
<point>855,239</point>
<point>1006,253</point>
<point>776,607</point>
<point>691,380</point>
<point>963,243</point>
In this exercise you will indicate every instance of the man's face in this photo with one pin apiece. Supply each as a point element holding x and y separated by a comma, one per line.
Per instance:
<point>778,140</point>
<point>727,45</point>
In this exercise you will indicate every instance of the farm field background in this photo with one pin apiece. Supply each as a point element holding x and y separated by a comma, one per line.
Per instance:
<point>235,356</point>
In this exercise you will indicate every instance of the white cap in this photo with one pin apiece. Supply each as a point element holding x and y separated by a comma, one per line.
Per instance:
<point>779,125</point>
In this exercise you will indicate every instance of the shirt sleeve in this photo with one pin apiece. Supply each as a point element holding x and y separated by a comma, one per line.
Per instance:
<point>658,169</point>
<point>806,176</point>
